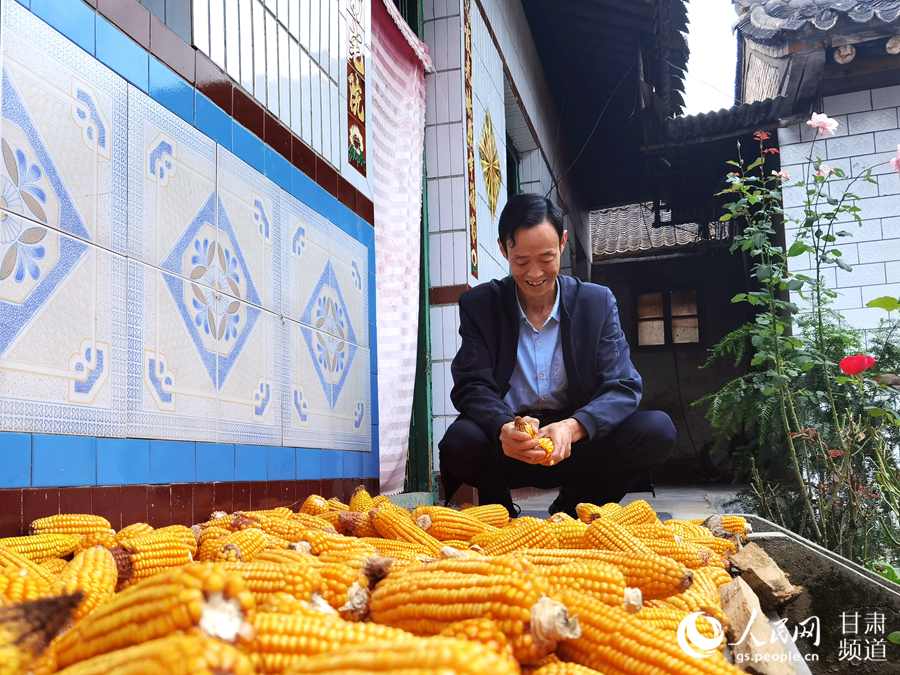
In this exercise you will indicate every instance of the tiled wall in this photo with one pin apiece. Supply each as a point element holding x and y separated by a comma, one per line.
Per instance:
<point>291,56</point>
<point>868,135</point>
<point>157,283</point>
<point>445,153</point>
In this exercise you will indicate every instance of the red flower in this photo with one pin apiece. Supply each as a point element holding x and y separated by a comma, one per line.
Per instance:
<point>770,151</point>
<point>856,364</point>
<point>762,135</point>
<point>835,454</point>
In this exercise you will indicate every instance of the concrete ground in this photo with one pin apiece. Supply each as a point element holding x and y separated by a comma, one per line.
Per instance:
<point>677,501</point>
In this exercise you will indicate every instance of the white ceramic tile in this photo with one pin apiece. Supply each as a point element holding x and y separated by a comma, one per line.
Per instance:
<point>284,76</point>
<point>272,65</point>
<point>455,140</point>
<point>449,328</point>
<point>63,341</point>
<point>64,133</point>
<point>446,204</point>
<point>217,33</point>
<point>328,391</point>
<point>434,205</point>
<point>172,358</point>
<point>246,47</point>
<point>431,152</point>
<point>444,165</point>
<point>454,42</point>
<point>460,256</point>
<point>435,318</point>
<point>437,388</point>
<point>232,39</point>
<point>338,108</point>
<point>247,264</point>
<point>305,22</point>
<point>259,52</point>
<point>351,284</point>
<point>316,103</point>
<point>434,260</point>
<point>172,181</point>
<point>250,382</point>
<point>448,265</point>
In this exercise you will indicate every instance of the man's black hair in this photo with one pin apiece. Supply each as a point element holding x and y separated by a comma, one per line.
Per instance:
<point>527,210</point>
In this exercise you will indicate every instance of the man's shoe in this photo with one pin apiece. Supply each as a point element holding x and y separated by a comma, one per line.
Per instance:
<point>563,503</point>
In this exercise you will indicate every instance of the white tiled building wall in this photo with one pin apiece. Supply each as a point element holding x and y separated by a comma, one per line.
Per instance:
<point>445,161</point>
<point>291,56</point>
<point>868,135</point>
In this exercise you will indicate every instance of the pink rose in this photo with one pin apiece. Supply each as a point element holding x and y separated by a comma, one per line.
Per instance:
<point>822,123</point>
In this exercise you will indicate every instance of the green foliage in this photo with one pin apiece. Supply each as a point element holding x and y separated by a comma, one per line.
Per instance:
<point>817,448</point>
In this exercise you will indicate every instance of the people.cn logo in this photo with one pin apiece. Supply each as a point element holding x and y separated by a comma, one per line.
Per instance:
<point>692,642</point>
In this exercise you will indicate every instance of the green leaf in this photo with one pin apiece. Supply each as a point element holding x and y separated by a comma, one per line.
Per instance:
<point>844,266</point>
<point>798,248</point>
<point>886,303</point>
<point>725,217</point>
<point>794,285</point>
<point>894,637</point>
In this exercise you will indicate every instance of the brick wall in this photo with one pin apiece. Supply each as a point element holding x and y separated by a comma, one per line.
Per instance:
<point>868,135</point>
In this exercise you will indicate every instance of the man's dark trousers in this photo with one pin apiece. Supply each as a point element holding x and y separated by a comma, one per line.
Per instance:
<point>597,471</point>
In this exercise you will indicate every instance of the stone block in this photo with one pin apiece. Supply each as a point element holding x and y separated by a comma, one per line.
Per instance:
<point>867,274</point>
<point>856,101</point>
<point>850,146</point>
<point>879,251</point>
<point>885,97</point>
<point>872,120</point>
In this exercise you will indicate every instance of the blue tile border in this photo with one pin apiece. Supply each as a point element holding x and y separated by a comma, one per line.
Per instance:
<point>72,18</point>
<point>211,120</point>
<point>50,460</point>
<point>122,54</point>
<point>169,89</point>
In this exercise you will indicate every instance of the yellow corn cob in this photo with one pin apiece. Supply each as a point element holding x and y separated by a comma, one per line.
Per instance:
<point>283,528</point>
<point>70,523</point>
<point>285,603</point>
<point>684,528</point>
<point>733,524</point>
<point>616,642</point>
<point>603,533</point>
<point>588,512</point>
<point>705,583</point>
<point>173,655</point>
<point>523,535</point>
<point>335,504</point>
<point>380,500</point>
<point>141,557</point>
<point>492,514</point>
<point>195,596</point>
<point>635,513</point>
<point>287,556</point>
<point>457,543</point>
<point>347,576</point>
<point>27,627</point>
<point>104,538</point>
<point>312,522</point>
<point>569,533</point>
<point>19,584</point>
<point>182,533</point>
<point>314,505</point>
<point>395,548</point>
<point>717,575</point>
<point>281,640</point>
<point>55,565</point>
<point>480,565</point>
<point>657,577</point>
<point>334,518</point>
<point>444,523</point>
<point>689,554</point>
<point>133,530</point>
<point>320,541</point>
<point>242,545</point>
<point>361,500</point>
<point>483,631</point>
<point>92,572</point>
<point>12,559</point>
<point>392,525</point>
<point>545,444</point>
<point>692,600</point>
<point>425,602</point>
<point>558,667</point>
<point>355,524</point>
<point>208,543</point>
<point>718,544</point>
<point>647,531</point>
<point>411,657</point>
<point>265,579</point>
<point>41,547</point>
<point>602,581</point>
<point>667,619</point>
<point>277,512</point>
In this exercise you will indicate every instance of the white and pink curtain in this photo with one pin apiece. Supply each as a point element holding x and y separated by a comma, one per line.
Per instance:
<point>396,130</point>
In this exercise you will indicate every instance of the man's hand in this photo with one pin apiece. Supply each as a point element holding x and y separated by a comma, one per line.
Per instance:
<point>563,434</point>
<point>519,445</point>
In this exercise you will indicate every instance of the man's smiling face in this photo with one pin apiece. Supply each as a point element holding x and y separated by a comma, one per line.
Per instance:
<point>534,260</point>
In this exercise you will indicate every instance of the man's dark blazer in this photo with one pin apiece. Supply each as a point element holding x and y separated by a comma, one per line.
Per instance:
<point>603,386</point>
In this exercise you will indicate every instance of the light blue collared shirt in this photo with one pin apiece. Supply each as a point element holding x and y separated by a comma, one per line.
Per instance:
<point>538,381</point>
